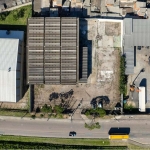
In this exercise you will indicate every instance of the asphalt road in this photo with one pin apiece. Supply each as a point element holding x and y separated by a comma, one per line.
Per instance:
<point>139,129</point>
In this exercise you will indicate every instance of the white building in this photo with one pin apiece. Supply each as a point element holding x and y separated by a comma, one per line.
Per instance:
<point>11,65</point>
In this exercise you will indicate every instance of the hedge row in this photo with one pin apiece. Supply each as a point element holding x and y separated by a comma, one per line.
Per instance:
<point>32,145</point>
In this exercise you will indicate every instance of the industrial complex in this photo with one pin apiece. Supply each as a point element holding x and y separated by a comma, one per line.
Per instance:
<point>75,68</point>
<point>76,44</point>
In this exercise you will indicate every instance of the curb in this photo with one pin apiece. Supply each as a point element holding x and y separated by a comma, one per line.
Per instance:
<point>138,143</point>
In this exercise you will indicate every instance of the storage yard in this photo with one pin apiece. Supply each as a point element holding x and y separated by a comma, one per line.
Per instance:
<point>103,40</point>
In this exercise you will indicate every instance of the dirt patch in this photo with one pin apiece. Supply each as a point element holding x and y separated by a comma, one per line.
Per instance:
<point>22,104</point>
<point>112,28</point>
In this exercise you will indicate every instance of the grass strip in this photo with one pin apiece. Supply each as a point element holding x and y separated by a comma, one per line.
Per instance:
<point>16,17</point>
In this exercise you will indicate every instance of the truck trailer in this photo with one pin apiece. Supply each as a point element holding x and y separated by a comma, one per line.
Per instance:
<point>142,99</point>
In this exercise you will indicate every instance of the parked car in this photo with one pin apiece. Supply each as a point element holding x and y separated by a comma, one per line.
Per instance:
<point>72,133</point>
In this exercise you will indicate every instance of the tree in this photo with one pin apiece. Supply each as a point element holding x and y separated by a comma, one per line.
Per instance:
<point>92,126</point>
<point>100,112</point>
<point>58,109</point>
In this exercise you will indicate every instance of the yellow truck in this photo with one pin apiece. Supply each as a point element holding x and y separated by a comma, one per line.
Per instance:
<point>118,137</point>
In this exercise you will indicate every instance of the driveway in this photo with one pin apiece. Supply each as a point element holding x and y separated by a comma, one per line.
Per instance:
<point>142,61</point>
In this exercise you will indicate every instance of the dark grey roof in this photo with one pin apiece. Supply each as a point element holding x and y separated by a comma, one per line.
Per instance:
<point>129,54</point>
<point>84,65</point>
<point>141,32</point>
<point>52,50</point>
<point>137,32</point>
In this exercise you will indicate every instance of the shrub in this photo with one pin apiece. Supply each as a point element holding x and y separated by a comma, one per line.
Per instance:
<point>92,126</point>
<point>58,109</point>
<point>41,115</point>
<point>37,110</point>
<point>100,112</point>
<point>59,116</point>
<point>128,106</point>
<point>46,109</point>
<point>97,125</point>
<point>87,113</point>
<point>123,77</point>
<point>2,16</point>
<point>33,116</point>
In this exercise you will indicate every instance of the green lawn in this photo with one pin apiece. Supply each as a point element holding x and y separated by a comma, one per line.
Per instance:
<point>93,142</point>
<point>103,143</point>
<point>14,113</point>
<point>16,17</point>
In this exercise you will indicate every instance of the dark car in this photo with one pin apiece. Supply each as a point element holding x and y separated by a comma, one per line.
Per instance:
<point>72,133</point>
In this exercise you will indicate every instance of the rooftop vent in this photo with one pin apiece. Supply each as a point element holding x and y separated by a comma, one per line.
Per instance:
<point>9,69</point>
<point>8,32</point>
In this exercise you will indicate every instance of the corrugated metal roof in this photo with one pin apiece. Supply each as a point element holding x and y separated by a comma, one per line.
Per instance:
<point>128,40</point>
<point>127,26</point>
<point>141,26</point>
<point>141,32</point>
<point>129,54</point>
<point>141,39</point>
<point>52,50</point>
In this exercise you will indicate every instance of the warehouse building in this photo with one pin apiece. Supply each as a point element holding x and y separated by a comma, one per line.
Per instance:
<point>11,65</point>
<point>136,33</point>
<point>53,51</point>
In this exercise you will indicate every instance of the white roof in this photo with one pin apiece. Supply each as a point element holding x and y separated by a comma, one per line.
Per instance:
<point>8,61</point>
<point>142,99</point>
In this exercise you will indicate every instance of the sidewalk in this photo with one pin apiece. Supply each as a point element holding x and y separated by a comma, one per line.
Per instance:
<point>12,8</point>
<point>84,118</point>
<point>133,117</point>
<point>29,119</point>
<point>140,142</point>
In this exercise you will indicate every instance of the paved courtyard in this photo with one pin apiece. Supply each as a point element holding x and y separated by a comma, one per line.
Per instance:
<point>142,61</point>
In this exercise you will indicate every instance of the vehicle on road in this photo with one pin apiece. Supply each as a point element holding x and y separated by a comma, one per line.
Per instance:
<point>119,133</point>
<point>72,133</point>
<point>117,137</point>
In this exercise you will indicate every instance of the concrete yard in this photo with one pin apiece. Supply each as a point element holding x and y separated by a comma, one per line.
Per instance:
<point>103,39</point>
<point>142,61</point>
